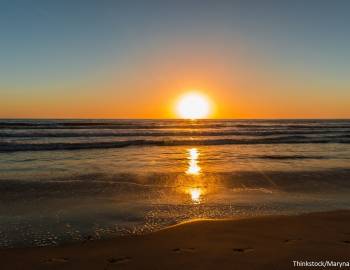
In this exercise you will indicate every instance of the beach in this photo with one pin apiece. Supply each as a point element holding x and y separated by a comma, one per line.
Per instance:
<point>174,135</point>
<point>270,242</point>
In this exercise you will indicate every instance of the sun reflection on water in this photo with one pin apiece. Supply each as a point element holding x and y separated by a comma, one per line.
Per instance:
<point>194,182</point>
<point>193,167</point>
<point>195,194</point>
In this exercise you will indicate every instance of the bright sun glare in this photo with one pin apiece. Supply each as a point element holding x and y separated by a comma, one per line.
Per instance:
<point>193,106</point>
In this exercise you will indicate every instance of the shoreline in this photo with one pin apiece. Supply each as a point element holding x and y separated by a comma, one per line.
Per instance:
<point>264,242</point>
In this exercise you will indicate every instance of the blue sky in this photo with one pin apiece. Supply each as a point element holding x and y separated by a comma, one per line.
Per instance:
<point>84,51</point>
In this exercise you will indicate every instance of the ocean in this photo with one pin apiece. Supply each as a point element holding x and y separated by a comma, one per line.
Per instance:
<point>77,180</point>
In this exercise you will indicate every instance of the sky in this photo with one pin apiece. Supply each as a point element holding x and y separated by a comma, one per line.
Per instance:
<point>133,59</point>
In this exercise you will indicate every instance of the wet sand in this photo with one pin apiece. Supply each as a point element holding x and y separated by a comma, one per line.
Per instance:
<point>272,242</point>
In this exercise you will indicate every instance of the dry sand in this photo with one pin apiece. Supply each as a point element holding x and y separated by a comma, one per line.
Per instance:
<point>271,242</point>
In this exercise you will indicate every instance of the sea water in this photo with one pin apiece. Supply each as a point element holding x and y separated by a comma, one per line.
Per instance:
<point>77,180</point>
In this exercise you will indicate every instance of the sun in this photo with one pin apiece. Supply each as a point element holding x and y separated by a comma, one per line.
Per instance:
<point>193,105</point>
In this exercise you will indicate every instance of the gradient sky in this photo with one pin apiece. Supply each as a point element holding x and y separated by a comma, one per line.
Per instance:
<point>132,59</point>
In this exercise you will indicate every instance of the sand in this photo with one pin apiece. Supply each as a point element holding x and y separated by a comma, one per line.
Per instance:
<point>271,242</point>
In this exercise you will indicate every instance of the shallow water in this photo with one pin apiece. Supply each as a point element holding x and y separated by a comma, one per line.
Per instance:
<point>70,180</point>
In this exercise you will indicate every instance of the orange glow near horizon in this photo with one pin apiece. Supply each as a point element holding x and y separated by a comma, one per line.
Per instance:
<point>162,102</point>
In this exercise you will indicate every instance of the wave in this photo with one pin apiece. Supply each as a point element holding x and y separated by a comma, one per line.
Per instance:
<point>344,134</point>
<point>144,125</point>
<point>12,147</point>
<point>289,157</point>
<point>176,124</point>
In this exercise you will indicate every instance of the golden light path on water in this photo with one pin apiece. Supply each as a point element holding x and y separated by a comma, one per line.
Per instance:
<point>193,167</point>
<point>194,170</point>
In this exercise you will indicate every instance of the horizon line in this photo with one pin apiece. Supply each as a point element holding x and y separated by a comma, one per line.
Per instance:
<point>132,118</point>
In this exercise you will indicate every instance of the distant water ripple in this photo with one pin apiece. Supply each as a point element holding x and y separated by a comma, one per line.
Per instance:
<point>47,135</point>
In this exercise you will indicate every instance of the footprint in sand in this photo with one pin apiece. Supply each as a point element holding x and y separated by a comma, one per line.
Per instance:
<point>242,250</point>
<point>57,260</point>
<point>184,250</point>
<point>120,260</point>
<point>290,241</point>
